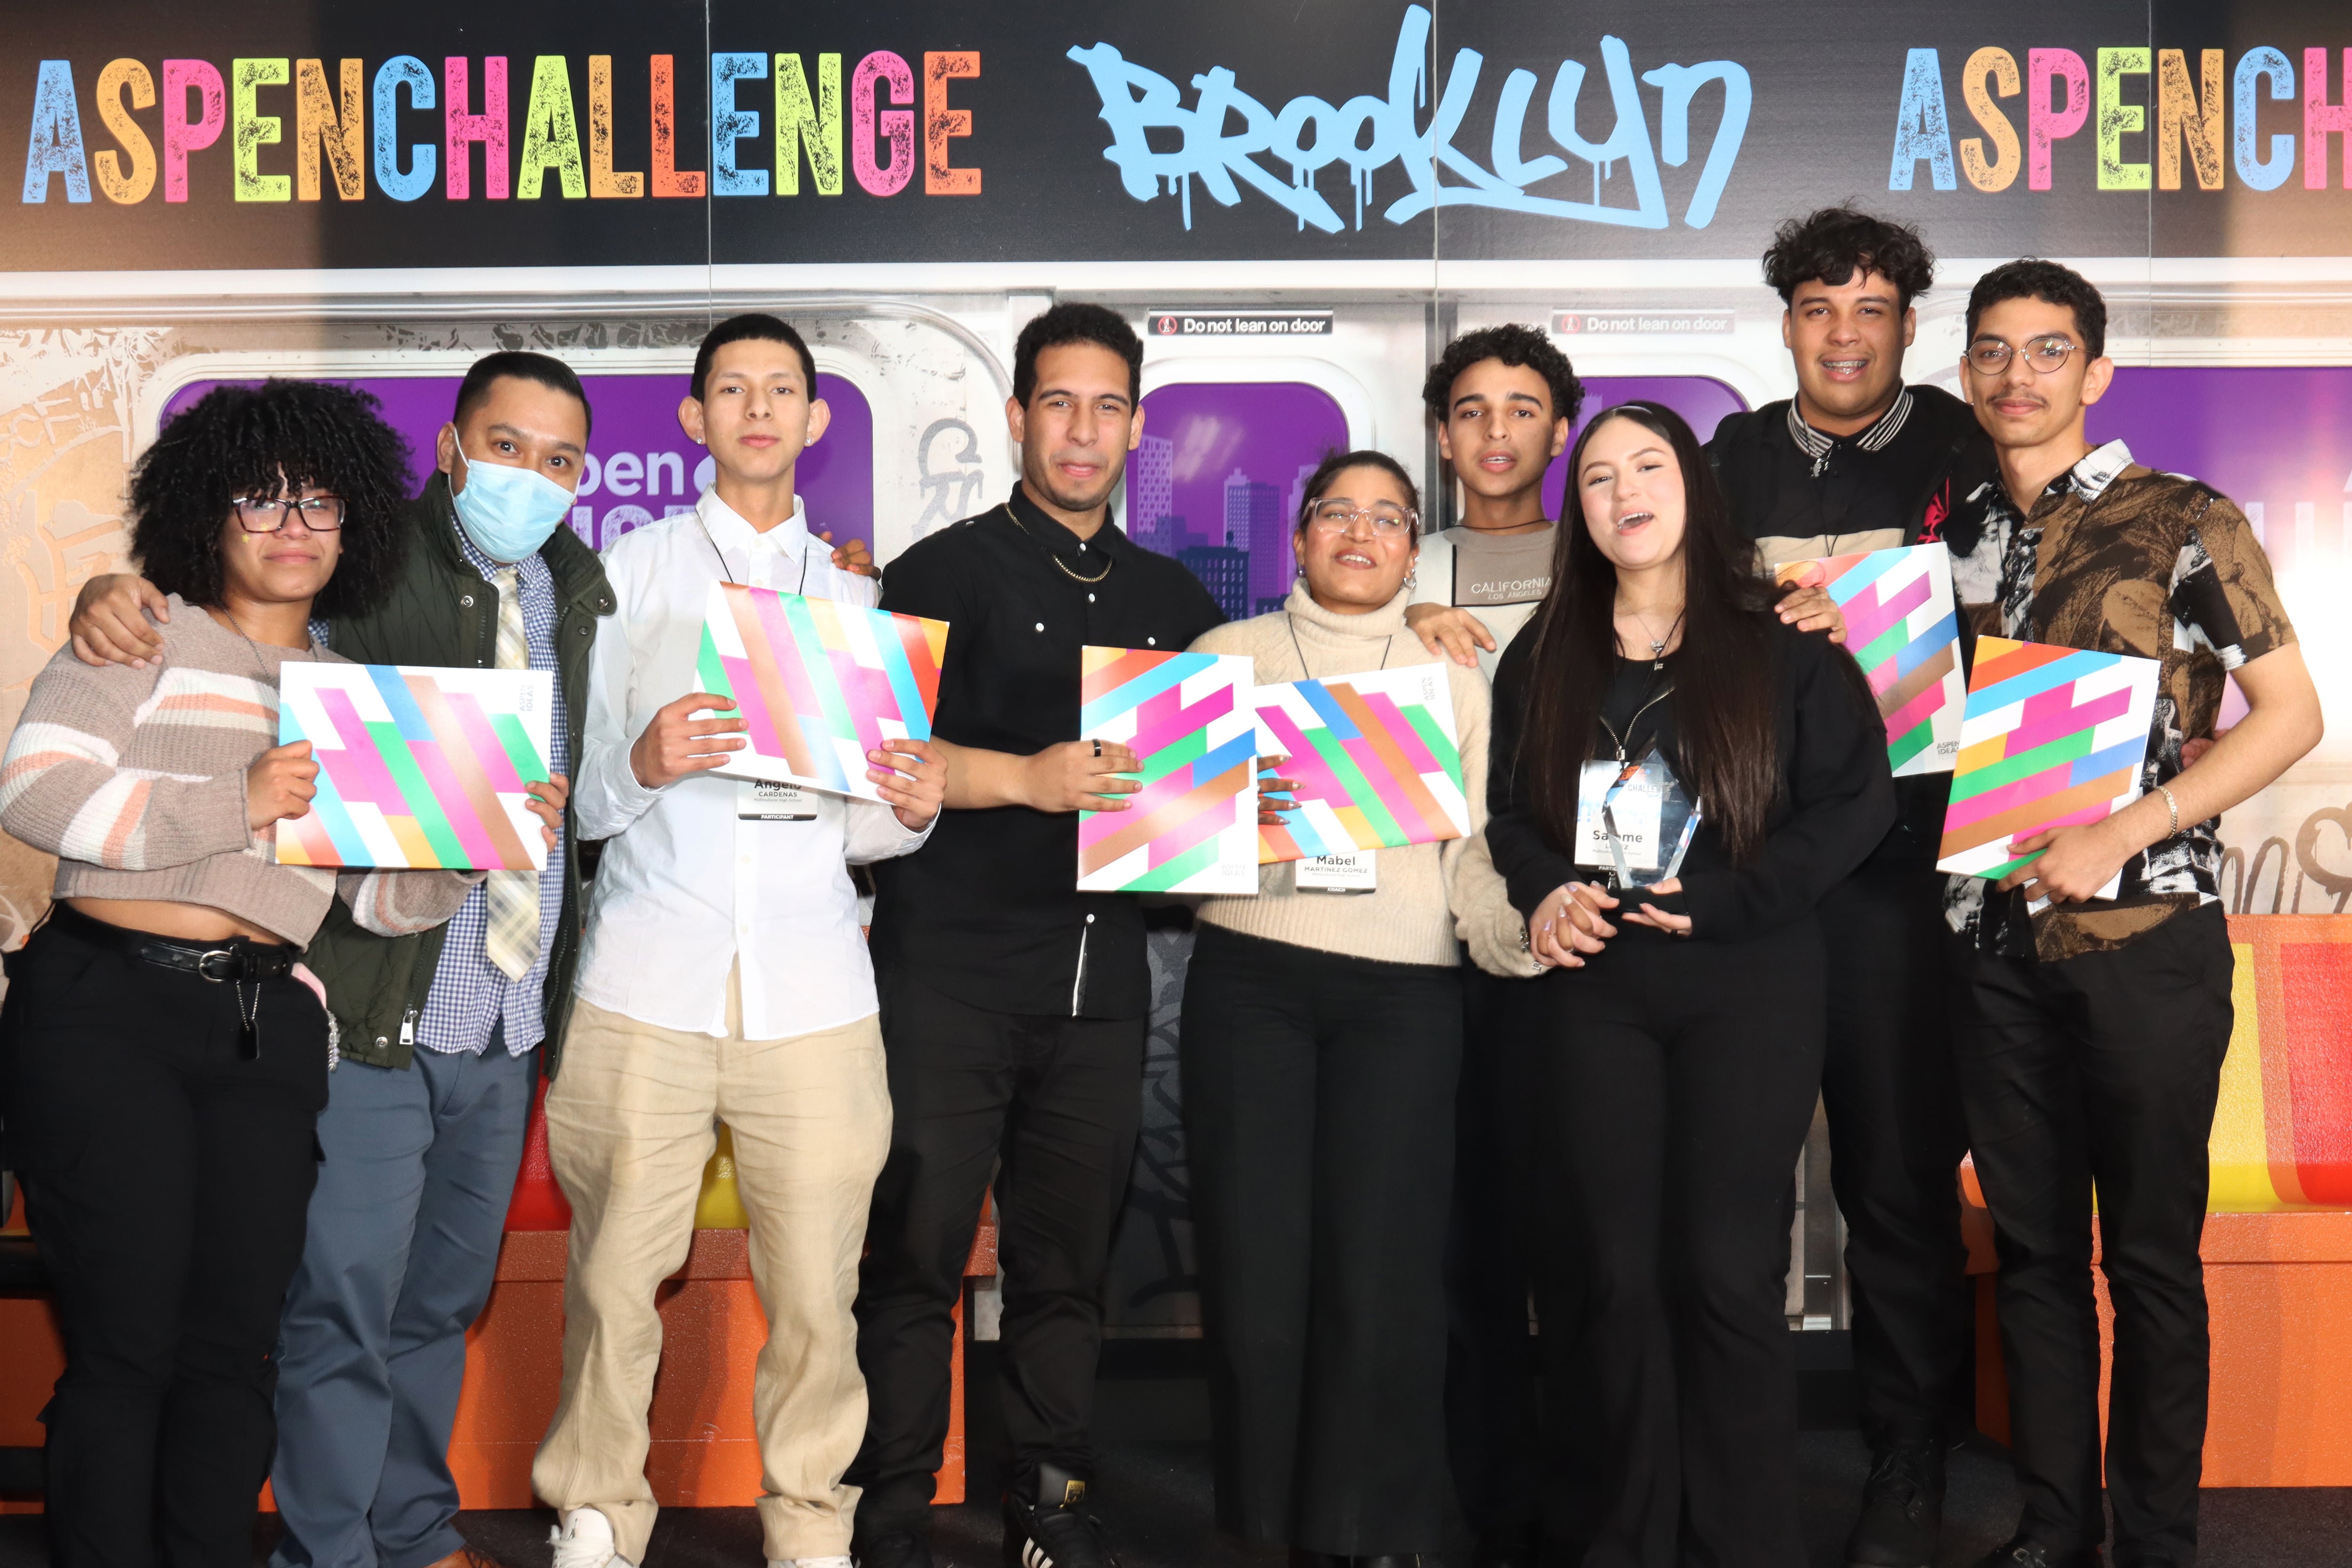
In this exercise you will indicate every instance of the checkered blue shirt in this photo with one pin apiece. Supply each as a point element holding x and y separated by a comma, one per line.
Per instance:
<point>470,994</point>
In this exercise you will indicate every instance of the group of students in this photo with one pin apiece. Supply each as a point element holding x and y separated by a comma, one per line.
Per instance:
<point>268,1119</point>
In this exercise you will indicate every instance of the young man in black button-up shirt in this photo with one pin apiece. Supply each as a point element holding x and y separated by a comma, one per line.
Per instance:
<point>1014,1006</point>
<point>1857,461</point>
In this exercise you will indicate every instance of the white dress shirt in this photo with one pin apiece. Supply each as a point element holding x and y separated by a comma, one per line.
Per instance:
<point>685,887</point>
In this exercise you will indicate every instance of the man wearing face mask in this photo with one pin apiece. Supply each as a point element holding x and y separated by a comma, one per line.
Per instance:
<point>424,1127</point>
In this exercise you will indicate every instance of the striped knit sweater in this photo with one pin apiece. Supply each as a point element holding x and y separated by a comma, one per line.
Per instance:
<point>135,780</point>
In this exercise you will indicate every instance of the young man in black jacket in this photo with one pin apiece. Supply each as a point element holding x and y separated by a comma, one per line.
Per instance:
<point>1858,461</point>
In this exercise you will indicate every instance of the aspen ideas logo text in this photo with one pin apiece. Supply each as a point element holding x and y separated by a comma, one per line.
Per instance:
<point>1366,134</point>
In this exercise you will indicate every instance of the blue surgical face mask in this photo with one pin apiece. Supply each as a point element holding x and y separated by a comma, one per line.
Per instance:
<point>509,512</point>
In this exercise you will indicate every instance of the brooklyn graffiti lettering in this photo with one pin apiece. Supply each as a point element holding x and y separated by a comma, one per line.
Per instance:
<point>1228,139</point>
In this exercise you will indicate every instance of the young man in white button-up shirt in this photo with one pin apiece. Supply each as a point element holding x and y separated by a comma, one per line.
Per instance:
<point>724,978</point>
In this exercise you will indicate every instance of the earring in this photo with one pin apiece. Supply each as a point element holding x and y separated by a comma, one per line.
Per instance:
<point>1412,578</point>
<point>697,440</point>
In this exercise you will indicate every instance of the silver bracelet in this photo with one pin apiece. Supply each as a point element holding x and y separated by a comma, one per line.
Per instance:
<point>2173,807</point>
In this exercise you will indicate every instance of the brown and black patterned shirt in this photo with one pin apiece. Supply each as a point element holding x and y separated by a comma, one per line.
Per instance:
<point>2116,558</point>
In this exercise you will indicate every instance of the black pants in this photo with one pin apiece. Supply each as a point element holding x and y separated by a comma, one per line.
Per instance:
<point>1491,1366</point>
<point>1896,1142</point>
<point>2101,1073</point>
<point>166,1180</point>
<point>1679,1080</point>
<point>1059,1101</point>
<point>1318,1096</point>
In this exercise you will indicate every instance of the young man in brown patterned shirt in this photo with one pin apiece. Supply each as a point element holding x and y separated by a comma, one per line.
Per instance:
<point>2090,1049</point>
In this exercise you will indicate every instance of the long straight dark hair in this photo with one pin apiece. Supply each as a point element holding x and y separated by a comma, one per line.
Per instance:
<point>1723,672</point>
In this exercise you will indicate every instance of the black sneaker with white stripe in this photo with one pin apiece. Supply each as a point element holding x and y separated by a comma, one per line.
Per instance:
<point>1054,1528</point>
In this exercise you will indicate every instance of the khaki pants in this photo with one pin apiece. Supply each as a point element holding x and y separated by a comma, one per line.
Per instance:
<point>630,1124</point>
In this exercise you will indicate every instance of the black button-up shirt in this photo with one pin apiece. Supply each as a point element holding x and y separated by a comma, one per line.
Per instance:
<point>988,911</point>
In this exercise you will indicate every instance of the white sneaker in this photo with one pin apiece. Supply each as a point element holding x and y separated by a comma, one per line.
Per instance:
<point>809,1562</point>
<point>586,1542</point>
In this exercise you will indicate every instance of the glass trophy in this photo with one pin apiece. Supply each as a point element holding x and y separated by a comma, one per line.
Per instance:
<point>1648,818</point>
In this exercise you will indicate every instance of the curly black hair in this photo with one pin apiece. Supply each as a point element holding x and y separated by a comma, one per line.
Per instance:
<point>1834,244</point>
<point>240,440</point>
<point>1515,345</point>
<point>2053,285</point>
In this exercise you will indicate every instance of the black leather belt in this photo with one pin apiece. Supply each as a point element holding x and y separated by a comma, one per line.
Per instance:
<point>237,958</point>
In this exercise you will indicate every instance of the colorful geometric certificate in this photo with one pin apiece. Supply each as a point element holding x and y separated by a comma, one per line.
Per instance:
<point>2053,736</point>
<point>1374,758</point>
<point>1188,830</point>
<point>417,767</point>
<point>820,683</point>
<point>1901,628</point>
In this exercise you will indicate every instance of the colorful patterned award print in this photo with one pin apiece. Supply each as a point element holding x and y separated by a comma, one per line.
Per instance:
<point>417,767</point>
<point>1901,628</point>
<point>819,683</point>
<point>2052,737</point>
<point>1187,716</point>
<point>1374,758</point>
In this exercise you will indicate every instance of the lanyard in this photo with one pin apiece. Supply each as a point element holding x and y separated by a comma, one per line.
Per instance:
<point>1292,622</point>
<point>723,572</point>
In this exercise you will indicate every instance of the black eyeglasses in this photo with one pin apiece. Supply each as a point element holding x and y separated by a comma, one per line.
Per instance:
<point>260,514</point>
<point>1990,357</point>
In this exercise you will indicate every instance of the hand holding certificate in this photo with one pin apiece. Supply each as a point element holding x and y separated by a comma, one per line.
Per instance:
<point>819,686</point>
<point>418,767</point>
<point>2053,737</point>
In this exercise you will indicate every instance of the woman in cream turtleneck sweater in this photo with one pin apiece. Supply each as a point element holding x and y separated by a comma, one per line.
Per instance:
<point>1322,1035</point>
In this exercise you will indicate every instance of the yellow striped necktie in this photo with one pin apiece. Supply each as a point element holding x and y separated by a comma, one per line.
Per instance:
<point>513,939</point>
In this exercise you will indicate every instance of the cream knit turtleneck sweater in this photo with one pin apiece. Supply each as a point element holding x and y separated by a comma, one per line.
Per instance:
<point>1428,894</point>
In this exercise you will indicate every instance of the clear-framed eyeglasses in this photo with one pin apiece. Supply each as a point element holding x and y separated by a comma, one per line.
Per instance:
<point>267,514</point>
<point>1381,518</point>
<point>1990,357</point>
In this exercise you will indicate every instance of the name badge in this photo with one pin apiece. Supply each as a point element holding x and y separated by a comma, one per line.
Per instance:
<point>1636,809</point>
<point>763,800</point>
<point>1355,873</point>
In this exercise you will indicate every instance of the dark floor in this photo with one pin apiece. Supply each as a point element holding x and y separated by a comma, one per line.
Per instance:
<point>1154,1488</point>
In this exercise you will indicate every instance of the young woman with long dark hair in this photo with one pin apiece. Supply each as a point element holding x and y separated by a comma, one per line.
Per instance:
<point>1321,1043</point>
<point>1684,1045</point>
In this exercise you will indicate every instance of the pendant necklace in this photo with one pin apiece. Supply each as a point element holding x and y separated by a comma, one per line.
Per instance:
<point>1657,644</point>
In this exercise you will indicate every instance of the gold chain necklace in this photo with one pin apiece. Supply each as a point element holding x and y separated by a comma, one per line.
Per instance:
<point>1007,509</point>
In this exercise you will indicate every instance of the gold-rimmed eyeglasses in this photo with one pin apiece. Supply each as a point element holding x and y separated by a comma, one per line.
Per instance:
<point>1990,357</point>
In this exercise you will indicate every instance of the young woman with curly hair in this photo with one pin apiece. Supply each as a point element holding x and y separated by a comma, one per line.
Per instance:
<point>162,1056</point>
